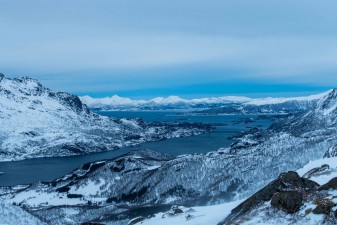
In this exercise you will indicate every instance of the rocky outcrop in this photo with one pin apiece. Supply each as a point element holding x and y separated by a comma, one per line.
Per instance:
<point>332,184</point>
<point>285,192</point>
<point>323,206</point>
<point>316,171</point>
<point>290,201</point>
<point>332,152</point>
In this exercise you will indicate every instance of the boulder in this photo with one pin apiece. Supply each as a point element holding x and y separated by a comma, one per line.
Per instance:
<point>324,206</point>
<point>289,201</point>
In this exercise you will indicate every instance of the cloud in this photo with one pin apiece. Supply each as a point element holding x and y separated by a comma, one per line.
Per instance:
<point>133,44</point>
<point>264,57</point>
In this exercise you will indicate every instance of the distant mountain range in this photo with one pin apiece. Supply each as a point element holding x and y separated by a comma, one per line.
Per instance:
<point>38,122</point>
<point>214,105</point>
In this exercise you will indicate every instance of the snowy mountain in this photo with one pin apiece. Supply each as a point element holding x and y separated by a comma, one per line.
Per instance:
<point>116,190</point>
<point>149,179</point>
<point>14,215</point>
<point>224,105</point>
<point>38,122</point>
<point>307,196</point>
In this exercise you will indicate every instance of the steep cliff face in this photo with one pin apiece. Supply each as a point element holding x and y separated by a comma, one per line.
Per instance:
<point>38,122</point>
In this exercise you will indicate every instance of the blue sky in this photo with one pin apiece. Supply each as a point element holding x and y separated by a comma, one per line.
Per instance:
<point>191,48</point>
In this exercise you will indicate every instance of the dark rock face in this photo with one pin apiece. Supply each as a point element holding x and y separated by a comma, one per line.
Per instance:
<point>324,206</point>
<point>290,201</point>
<point>90,223</point>
<point>332,184</point>
<point>284,183</point>
<point>332,152</point>
<point>70,100</point>
<point>316,171</point>
<point>136,220</point>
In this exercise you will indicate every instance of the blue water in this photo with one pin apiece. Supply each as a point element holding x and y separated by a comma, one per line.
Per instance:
<point>48,169</point>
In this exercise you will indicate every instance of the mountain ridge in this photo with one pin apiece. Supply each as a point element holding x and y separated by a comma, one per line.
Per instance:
<point>39,122</point>
<point>145,179</point>
<point>120,103</point>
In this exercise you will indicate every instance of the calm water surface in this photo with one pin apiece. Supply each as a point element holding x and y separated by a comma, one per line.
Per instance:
<point>48,169</point>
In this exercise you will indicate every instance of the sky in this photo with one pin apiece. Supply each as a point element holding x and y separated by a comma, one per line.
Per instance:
<point>190,48</point>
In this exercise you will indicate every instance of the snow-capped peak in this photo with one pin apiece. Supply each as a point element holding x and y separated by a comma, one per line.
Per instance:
<point>328,103</point>
<point>268,101</point>
<point>168,100</point>
<point>38,122</point>
<point>115,102</point>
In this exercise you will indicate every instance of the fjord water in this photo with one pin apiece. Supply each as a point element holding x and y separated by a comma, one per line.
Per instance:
<point>48,169</point>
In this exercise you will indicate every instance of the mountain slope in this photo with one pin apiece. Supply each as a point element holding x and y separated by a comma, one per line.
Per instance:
<point>110,190</point>
<point>147,178</point>
<point>318,204</point>
<point>14,215</point>
<point>296,201</point>
<point>38,122</point>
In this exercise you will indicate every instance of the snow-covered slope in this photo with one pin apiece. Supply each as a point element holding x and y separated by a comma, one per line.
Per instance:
<point>231,104</point>
<point>110,190</point>
<point>318,204</point>
<point>38,122</point>
<point>295,202</point>
<point>14,215</point>
<point>149,179</point>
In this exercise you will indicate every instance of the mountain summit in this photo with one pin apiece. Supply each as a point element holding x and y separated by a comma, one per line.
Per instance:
<point>38,122</point>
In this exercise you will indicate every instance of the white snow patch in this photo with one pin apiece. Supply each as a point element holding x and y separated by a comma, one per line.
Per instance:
<point>206,215</point>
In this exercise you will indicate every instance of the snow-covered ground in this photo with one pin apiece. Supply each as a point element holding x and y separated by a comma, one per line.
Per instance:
<point>14,215</point>
<point>264,214</point>
<point>207,215</point>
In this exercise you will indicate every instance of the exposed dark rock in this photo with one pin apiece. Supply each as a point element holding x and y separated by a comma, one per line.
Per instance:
<point>86,166</point>
<point>324,206</point>
<point>290,201</point>
<point>175,209</point>
<point>74,196</point>
<point>332,152</point>
<point>63,189</point>
<point>316,171</point>
<point>96,166</point>
<point>129,197</point>
<point>72,101</point>
<point>332,184</point>
<point>119,166</point>
<point>285,182</point>
<point>92,223</point>
<point>136,220</point>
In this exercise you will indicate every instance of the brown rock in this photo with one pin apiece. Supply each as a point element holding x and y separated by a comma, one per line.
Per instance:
<point>289,201</point>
